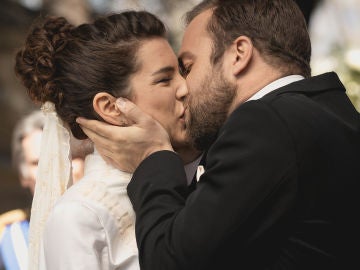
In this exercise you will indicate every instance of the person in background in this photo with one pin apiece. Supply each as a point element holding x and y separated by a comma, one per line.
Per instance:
<point>14,225</point>
<point>26,140</point>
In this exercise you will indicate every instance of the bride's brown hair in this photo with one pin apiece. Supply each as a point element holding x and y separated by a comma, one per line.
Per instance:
<point>69,65</point>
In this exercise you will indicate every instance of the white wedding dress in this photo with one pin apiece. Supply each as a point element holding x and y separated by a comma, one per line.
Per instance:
<point>92,226</point>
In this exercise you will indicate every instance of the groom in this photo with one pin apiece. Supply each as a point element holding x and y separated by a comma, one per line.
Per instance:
<point>281,182</point>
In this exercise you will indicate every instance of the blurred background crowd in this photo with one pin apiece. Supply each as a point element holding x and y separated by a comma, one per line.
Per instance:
<point>334,27</point>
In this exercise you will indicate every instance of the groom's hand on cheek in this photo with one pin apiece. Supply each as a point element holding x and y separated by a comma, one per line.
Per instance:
<point>126,147</point>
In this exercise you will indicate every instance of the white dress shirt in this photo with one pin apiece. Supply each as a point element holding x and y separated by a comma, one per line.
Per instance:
<point>276,85</point>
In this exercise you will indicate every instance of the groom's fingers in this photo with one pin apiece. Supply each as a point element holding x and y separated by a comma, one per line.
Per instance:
<point>99,133</point>
<point>127,146</point>
<point>107,138</point>
<point>131,112</point>
<point>94,127</point>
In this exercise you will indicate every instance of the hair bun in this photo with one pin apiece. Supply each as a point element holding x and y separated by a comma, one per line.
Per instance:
<point>36,61</point>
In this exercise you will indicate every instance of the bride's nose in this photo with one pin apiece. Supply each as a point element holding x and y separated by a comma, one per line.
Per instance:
<point>182,90</point>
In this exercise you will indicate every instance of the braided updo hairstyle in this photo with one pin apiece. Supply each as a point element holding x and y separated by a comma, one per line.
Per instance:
<point>69,65</point>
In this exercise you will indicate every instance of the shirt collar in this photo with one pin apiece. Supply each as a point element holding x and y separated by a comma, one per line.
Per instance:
<point>276,85</point>
<point>190,169</point>
<point>96,168</point>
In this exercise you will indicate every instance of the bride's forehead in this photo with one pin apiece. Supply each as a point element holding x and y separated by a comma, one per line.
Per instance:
<point>154,51</point>
<point>153,48</point>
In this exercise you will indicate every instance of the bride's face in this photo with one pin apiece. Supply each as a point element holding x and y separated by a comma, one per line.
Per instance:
<point>159,89</point>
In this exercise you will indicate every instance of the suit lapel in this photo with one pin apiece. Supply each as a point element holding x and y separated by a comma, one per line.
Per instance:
<point>194,181</point>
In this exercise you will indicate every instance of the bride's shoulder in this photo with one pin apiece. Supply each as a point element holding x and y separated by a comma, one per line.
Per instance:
<point>78,204</point>
<point>85,192</point>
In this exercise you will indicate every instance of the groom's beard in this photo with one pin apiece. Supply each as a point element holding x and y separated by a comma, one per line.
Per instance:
<point>209,109</point>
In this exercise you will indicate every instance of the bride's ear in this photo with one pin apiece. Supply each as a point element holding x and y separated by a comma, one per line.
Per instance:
<point>104,105</point>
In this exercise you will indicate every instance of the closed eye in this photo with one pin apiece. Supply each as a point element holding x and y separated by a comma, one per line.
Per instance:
<point>184,69</point>
<point>163,75</point>
<point>164,81</point>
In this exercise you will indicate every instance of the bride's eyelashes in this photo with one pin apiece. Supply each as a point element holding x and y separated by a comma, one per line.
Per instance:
<point>165,81</point>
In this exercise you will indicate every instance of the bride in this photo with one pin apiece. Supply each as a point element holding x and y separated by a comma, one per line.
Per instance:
<point>81,71</point>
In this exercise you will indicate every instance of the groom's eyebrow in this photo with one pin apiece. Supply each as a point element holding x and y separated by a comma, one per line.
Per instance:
<point>185,55</point>
<point>164,70</point>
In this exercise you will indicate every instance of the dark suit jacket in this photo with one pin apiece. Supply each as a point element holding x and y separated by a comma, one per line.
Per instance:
<point>280,191</point>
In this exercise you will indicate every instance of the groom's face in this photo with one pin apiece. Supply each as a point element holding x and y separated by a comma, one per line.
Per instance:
<point>210,93</point>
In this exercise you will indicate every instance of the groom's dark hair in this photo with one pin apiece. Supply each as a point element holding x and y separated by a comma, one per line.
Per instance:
<point>277,29</point>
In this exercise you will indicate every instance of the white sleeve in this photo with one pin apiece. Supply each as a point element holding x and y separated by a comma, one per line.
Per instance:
<point>74,238</point>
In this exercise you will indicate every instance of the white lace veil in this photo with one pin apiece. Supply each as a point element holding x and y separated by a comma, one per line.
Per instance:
<point>53,178</point>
